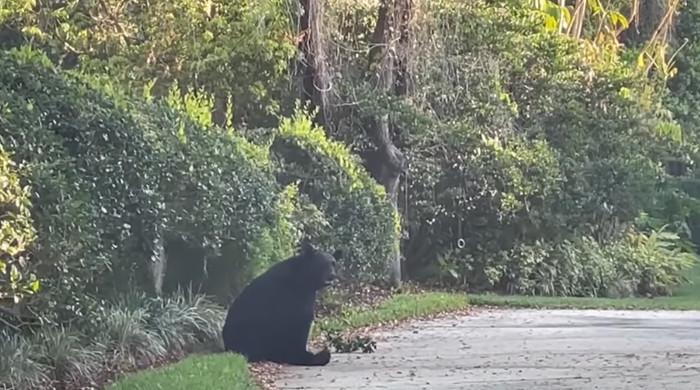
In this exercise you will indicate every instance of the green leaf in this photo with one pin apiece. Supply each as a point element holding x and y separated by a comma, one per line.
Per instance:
<point>616,18</point>
<point>15,275</point>
<point>34,286</point>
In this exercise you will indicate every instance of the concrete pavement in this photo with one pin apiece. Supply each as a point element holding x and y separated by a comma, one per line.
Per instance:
<point>522,349</point>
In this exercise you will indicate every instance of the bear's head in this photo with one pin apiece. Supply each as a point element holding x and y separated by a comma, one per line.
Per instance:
<point>319,267</point>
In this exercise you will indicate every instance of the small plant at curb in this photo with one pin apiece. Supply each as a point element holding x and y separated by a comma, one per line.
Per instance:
<point>347,344</point>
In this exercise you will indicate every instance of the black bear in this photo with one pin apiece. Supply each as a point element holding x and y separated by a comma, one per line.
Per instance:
<point>271,318</point>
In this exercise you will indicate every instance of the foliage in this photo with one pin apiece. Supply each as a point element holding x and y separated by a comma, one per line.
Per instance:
<point>683,83</point>
<point>17,368</point>
<point>16,234</point>
<point>355,208</point>
<point>126,334</point>
<point>82,158</point>
<point>237,49</point>
<point>351,344</point>
<point>516,135</point>
<point>684,88</point>
<point>637,265</point>
<point>116,175</point>
<point>478,194</point>
<point>219,196</point>
<point>682,98</point>
<point>684,298</point>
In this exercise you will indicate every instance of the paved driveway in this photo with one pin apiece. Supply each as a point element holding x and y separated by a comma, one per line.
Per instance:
<point>522,349</point>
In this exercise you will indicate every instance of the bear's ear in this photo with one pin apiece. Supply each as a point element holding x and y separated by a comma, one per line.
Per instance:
<point>338,254</point>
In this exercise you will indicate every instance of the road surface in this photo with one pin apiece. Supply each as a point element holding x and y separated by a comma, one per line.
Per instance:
<point>522,349</point>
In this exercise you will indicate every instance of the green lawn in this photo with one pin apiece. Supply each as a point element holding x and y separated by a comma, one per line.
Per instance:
<point>399,307</point>
<point>686,297</point>
<point>223,371</point>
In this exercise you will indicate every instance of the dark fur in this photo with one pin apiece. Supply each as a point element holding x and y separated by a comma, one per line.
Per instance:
<point>271,318</point>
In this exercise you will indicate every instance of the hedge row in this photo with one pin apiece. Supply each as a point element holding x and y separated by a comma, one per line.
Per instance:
<point>130,193</point>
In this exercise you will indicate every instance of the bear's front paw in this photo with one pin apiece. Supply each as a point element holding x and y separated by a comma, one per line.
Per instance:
<point>322,358</point>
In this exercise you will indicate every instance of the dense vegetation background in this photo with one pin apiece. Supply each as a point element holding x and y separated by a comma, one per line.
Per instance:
<point>157,152</point>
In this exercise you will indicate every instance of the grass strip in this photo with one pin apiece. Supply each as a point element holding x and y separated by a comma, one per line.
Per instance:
<point>534,302</point>
<point>206,372</point>
<point>397,308</point>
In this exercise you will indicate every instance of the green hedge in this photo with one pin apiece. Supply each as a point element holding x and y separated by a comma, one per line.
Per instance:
<point>638,264</point>
<point>83,158</point>
<point>17,234</point>
<point>112,176</point>
<point>222,208</point>
<point>341,205</point>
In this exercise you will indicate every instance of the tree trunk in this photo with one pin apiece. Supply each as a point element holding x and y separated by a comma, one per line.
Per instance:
<point>220,109</point>
<point>312,69</point>
<point>403,75</point>
<point>646,20</point>
<point>388,67</point>
<point>158,264</point>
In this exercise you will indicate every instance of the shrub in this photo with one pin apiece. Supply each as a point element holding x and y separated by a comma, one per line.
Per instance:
<point>515,135</point>
<point>67,358</point>
<point>119,179</point>
<point>19,368</point>
<point>16,234</point>
<point>476,194</point>
<point>85,159</point>
<point>124,334</point>
<point>684,87</point>
<point>220,202</point>
<point>355,209</point>
<point>637,264</point>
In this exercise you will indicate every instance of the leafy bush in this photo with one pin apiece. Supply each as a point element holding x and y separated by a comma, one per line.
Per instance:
<point>18,367</point>
<point>16,234</point>
<point>682,100</point>
<point>236,50</point>
<point>117,179</point>
<point>638,264</point>
<point>84,161</point>
<point>355,209</point>
<point>128,333</point>
<point>517,136</point>
<point>684,88</point>
<point>220,201</point>
<point>477,194</point>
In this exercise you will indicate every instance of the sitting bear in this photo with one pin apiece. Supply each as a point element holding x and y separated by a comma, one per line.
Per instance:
<point>271,318</point>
